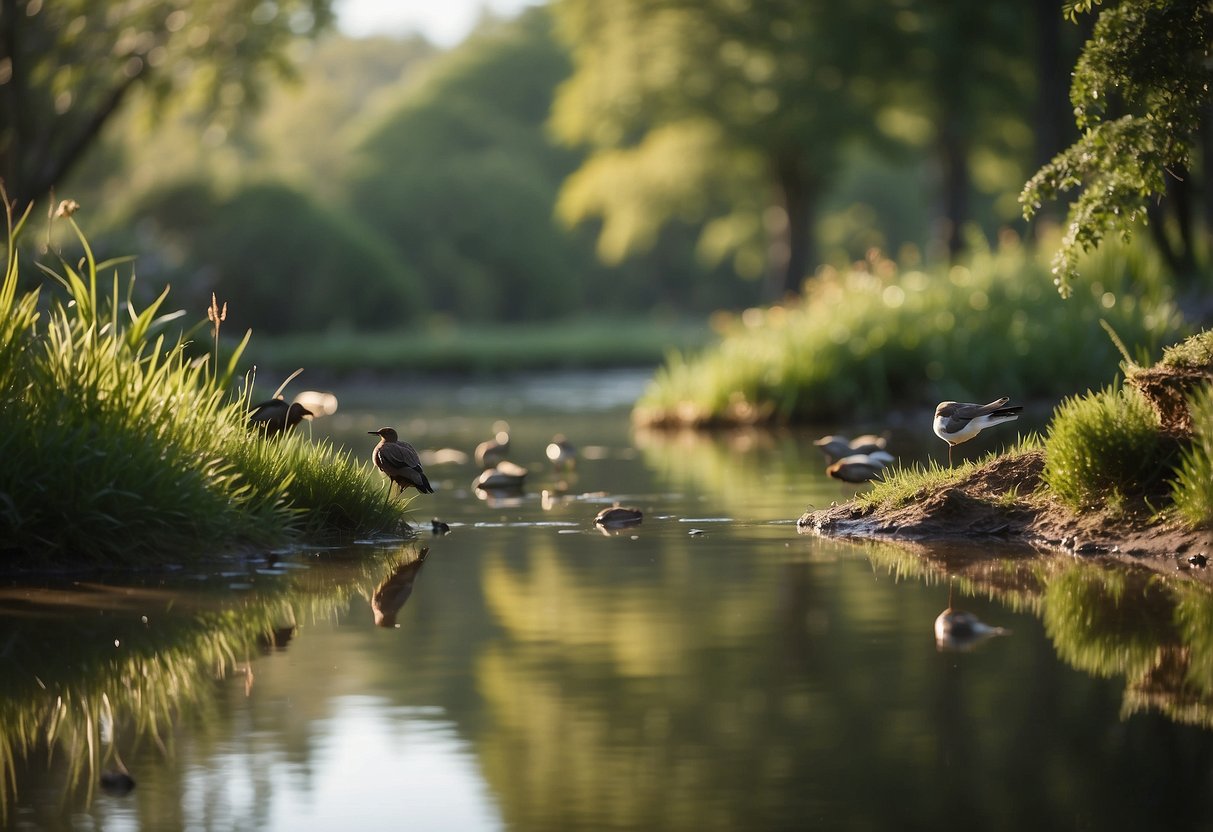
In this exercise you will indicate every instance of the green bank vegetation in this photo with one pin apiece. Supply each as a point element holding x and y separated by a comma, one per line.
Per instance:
<point>878,336</point>
<point>1110,451</point>
<point>117,443</point>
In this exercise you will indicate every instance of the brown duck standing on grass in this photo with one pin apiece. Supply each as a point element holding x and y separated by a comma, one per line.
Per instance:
<point>275,416</point>
<point>399,460</point>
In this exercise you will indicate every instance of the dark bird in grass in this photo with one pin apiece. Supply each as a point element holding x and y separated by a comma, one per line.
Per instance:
<point>860,467</point>
<point>957,422</point>
<point>399,460</point>
<point>390,595</point>
<point>275,416</point>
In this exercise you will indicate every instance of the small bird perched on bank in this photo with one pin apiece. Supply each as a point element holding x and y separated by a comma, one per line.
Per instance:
<point>399,460</point>
<point>275,416</point>
<point>957,422</point>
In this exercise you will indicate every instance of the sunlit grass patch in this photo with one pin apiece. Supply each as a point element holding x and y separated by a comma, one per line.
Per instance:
<point>116,443</point>
<point>875,336</point>
<point>903,485</point>
<point>1105,451</point>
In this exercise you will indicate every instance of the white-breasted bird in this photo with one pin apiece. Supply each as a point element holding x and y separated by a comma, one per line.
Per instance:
<point>957,422</point>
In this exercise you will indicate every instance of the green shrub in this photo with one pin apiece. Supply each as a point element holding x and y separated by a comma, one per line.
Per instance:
<point>1192,490</point>
<point>874,337</point>
<point>1104,450</point>
<point>114,443</point>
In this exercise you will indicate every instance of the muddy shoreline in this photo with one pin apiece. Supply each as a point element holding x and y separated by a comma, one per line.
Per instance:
<point>1001,502</point>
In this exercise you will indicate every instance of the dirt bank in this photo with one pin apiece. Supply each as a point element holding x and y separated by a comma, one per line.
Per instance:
<point>1002,501</point>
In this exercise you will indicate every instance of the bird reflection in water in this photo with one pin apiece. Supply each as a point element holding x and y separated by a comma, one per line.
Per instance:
<point>960,631</point>
<point>390,595</point>
<point>617,519</point>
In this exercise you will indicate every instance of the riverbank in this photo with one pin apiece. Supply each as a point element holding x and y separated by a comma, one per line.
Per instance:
<point>1002,500</point>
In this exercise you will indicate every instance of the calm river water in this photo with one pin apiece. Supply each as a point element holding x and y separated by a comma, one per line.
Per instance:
<point>710,669</point>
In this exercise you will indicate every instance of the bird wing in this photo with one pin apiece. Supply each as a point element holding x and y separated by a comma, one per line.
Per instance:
<point>965,412</point>
<point>268,409</point>
<point>399,455</point>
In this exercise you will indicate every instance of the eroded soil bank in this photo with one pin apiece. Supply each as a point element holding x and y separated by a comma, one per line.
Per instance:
<point>1001,501</point>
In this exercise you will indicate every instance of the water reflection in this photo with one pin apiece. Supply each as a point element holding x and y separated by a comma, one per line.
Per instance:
<point>551,678</point>
<point>90,670</point>
<point>396,588</point>
<point>1109,620</point>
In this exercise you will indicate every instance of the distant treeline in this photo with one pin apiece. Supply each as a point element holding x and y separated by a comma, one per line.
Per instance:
<point>549,166</point>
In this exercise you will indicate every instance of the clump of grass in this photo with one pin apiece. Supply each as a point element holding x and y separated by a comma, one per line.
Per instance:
<point>115,443</point>
<point>1191,353</point>
<point>902,485</point>
<point>873,335</point>
<point>1105,451</point>
<point>1192,490</point>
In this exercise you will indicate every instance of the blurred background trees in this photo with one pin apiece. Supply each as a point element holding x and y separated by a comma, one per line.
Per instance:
<point>614,159</point>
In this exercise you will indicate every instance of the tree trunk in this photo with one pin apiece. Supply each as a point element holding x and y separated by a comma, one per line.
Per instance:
<point>791,253</point>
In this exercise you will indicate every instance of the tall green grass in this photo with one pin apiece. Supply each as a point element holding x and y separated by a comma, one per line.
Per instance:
<point>875,336</point>
<point>1105,450</point>
<point>1192,491</point>
<point>114,443</point>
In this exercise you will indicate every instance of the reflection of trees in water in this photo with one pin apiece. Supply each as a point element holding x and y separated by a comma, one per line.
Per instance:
<point>1106,619</point>
<point>88,671</point>
<point>741,468</point>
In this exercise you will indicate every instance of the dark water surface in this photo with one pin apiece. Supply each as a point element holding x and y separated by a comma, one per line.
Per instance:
<point>709,669</point>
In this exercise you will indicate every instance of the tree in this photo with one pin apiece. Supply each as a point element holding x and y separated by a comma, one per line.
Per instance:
<point>1141,93</point>
<point>67,67</point>
<point>460,176</point>
<point>726,114</point>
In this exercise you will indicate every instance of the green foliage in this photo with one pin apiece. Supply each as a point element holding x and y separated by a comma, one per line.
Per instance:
<point>283,261</point>
<point>461,178</point>
<point>1140,92</point>
<point>1190,353</point>
<point>70,65</point>
<point>1104,450</point>
<point>875,337</point>
<point>116,444</point>
<point>1192,491</point>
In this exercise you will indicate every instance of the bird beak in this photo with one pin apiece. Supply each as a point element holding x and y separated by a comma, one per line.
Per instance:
<point>375,433</point>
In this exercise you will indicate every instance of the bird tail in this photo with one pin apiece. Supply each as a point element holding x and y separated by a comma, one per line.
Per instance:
<point>425,487</point>
<point>1007,412</point>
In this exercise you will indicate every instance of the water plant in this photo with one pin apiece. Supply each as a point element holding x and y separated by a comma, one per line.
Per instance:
<point>115,442</point>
